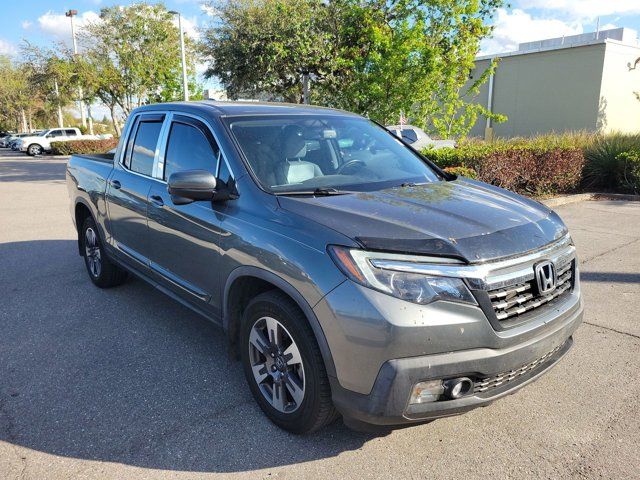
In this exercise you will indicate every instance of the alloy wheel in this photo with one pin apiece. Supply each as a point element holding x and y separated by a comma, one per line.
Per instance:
<point>276,364</point>
<point>92,252</point>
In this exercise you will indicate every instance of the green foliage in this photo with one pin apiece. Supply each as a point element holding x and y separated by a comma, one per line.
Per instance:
<point>629,165</point>
<point>462,171</point>
<point>83,146</point>
<point>604,169</point>
<point>132,56</point>
<point>373,57</point>
<point>17,95</point>
<point>259,47</point>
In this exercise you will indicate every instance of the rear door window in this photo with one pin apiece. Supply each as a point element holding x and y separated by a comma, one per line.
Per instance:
<point>70,132</point>
<point>144,147</point>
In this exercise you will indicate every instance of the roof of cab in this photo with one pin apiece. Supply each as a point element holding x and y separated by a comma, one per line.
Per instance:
<point>247,108</point>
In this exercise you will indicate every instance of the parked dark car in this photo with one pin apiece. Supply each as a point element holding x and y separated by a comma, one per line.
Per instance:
<point>351,275</point>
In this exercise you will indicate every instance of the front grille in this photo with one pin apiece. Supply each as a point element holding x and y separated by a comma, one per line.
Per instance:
<point>487,383</point>
<point>520,298</point>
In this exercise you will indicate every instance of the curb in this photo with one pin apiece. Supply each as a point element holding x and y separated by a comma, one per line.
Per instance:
<point>567,199</point>
<point>583,197</point>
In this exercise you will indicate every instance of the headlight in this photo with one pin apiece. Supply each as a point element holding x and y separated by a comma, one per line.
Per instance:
<point>360,266</point>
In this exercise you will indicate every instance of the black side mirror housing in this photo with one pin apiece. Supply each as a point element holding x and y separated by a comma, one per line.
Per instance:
<point>191,185</point>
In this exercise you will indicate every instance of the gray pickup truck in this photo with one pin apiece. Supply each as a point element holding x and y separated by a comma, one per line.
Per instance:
<point>350,275</point>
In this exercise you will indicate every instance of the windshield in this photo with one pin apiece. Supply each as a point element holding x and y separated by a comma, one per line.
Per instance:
<point>299,153</point>
<point>42,133</point>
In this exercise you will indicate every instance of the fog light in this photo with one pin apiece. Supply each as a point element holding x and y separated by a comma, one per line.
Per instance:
<point>426,392</point>
<point>458,387</point>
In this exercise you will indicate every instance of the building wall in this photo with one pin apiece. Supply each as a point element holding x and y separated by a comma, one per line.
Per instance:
<point>619,107</point>
<point>556,90</point>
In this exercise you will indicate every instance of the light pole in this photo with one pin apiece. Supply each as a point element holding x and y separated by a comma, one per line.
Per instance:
<point>71,14</point>
<point>185,84</point>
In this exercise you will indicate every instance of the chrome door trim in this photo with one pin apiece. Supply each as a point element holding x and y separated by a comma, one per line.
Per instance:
<point>164,137</point>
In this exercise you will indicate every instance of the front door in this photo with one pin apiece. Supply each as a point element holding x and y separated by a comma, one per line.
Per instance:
<point>185,249</point>
<point>128,190</point>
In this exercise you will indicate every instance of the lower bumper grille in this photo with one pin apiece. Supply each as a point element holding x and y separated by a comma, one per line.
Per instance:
<point>488,383</point>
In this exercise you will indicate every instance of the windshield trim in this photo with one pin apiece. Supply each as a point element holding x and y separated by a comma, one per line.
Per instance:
<point>226,121</point>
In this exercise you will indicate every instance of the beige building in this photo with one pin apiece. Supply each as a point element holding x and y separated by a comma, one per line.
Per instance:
<point>582,82</point>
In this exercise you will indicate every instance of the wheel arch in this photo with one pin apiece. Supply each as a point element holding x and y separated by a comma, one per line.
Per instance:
<point>243,284</point>
<point>81,212</point>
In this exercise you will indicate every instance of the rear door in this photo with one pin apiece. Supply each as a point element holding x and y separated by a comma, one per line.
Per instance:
<point>185,238</point>
<point>128,190</point>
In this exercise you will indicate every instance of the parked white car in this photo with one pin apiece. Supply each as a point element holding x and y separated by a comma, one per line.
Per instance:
<point>38,144</point>
<point>418,138</point>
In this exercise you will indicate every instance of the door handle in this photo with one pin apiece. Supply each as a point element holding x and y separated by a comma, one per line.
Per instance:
<point>157,200</point>
<point>116,184</point>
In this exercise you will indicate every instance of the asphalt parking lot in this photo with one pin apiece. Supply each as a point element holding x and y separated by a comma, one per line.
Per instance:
<point>126,383</point>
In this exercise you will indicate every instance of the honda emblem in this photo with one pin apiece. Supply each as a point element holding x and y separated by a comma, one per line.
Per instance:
<point>545,273</point>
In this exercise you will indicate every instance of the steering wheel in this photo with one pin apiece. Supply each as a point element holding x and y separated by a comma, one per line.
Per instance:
<point>349,164</point>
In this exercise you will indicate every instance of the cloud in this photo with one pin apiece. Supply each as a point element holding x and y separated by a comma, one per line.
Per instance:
<point>26,24</point>
<point>190,26</point>
<point>208,10</point>
<point>58,26</point>
<point>518,26</point>
<point>585,9</point>
<point>7,48</point>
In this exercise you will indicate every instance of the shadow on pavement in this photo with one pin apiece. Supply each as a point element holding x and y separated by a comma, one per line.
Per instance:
<point>33,170</point>
<point>127,375</point>
<point>610,277</point>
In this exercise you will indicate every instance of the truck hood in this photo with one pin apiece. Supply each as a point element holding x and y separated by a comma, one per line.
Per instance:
<point>465,219</point>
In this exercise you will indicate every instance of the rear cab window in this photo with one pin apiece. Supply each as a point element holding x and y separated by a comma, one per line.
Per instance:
<point>142,143</point>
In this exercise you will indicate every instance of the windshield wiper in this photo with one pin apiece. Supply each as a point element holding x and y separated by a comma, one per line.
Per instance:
<point>318,192</point>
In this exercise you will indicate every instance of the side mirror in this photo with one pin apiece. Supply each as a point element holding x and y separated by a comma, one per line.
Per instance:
<point>191,185</point>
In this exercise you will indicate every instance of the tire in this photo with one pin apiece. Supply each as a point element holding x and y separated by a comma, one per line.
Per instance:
<point>302,413</point>
<point>34,149</point>
<point>102,272</point>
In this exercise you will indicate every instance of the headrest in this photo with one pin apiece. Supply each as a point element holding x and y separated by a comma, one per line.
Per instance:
<point>293,144</point>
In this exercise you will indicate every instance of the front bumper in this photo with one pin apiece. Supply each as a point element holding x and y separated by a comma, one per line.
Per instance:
<point>388,401</point>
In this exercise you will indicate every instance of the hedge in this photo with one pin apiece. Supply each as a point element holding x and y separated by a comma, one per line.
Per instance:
<point>549,164</point>
<point>531,167</point>
<point>83,146</point>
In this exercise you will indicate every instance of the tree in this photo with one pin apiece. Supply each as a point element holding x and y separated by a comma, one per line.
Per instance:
<point>374,57</point>
<point>18,96</point>
<point>52,76</point>
<point>131,56</point>
<point>258,47</point>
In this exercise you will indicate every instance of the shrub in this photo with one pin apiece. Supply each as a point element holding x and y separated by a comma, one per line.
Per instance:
<point>462,171</point>
<point>629,169</point>
<point>83,146</point>
<point>604,157</point>
<point>544,165</point>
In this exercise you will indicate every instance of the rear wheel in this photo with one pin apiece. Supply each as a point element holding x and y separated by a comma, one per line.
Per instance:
<point>102,271</point>
<point>34,150</point>
<point>283,364</point>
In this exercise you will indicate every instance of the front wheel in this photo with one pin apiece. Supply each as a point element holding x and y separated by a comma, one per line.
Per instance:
<point>34,150</point>
<point>102,271</point>
<point>283,365</point>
